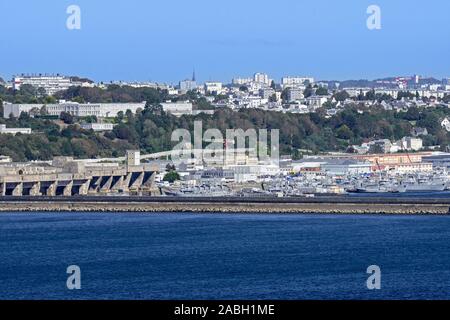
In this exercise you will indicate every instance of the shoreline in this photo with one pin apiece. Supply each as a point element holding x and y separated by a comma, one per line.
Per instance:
<point>256,206</point>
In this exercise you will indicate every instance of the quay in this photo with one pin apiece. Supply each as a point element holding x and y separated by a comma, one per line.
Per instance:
<point>317,205</point>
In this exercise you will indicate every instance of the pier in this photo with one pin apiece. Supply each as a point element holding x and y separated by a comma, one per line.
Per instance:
<point>318,205</point>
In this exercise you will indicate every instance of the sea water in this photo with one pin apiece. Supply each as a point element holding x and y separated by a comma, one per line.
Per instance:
<point>223,256</point>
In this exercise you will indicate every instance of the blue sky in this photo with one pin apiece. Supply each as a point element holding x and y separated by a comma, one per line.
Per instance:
<point>165,40</point>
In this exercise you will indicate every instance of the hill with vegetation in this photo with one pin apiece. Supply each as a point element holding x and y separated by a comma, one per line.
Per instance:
<point>150,129</point>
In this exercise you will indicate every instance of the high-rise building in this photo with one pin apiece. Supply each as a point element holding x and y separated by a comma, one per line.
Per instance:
<point>187,85</point>
<point>261,78</point>
<point>294,94</point>
<point>213,87</point>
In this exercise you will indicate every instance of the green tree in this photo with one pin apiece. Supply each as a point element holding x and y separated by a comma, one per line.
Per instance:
<point>171,176</point>
<point>344,132</point>
<point>341,95</point>
<point>273,85</point>
<point>66,117</point>
<point>321,91</point>
<point>308,91</point>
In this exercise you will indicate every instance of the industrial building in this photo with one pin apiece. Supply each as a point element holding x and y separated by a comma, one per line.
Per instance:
<point>65,176</point>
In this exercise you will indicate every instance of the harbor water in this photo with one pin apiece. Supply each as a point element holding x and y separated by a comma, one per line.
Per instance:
<point>223,256</point>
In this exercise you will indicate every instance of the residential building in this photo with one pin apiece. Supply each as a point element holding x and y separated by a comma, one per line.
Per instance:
<point>241,81</point>
<point>446,124</point>
<point>50,83</point>
<point>188,85</point>
<point>296,81</point>
<point>178,108</point>
<point>262,78</point>
<point>382,146</point>
<point>98,126</point>
<point>294,94</point>
<point>213,87</point>
<point>13,131</point>
<point>5,159</point>
<point>411,144</point>
<point>316,101</point>
<point>266,93</point>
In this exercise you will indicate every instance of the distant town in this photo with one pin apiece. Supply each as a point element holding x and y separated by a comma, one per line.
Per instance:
<point>63,135</point>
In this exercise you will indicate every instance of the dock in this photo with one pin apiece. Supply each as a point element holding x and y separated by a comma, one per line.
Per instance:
<point>261,205</point>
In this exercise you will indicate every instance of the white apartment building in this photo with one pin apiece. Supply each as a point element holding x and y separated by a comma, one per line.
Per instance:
<point>13,131</point>
<point>297,108</point>
<point>98,126</point>
<point>295,81</point>
<point>354,92</point>
<point>316,101</point>
<point>188,85</point>
<point>213,87</point>
<point>392,92</point>
<point>446,124</point>
<point>178,108</point>
<point>266,93</point>
<point>5,159</point>
<point>409,143</point>
<point>51,84</point>
<point>294,94</point>
<point>252,102</point>
<point>261,78</point>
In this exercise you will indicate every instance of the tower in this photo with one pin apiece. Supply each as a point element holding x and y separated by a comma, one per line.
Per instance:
<point>133,158</point>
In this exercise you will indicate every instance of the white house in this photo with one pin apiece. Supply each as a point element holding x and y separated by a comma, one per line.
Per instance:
<point>98,126</point>
<point>446,124</point>
<point>13,131</point>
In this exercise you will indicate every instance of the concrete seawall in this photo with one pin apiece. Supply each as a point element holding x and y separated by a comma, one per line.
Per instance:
<point>224,207</point>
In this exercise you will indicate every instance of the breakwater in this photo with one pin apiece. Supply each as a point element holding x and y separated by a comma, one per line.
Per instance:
<point>330,205</point>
